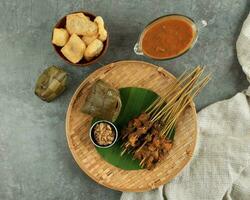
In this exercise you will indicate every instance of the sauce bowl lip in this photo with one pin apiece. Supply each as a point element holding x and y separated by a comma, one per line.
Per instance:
<point>169,15</point>
<point>91,133</point>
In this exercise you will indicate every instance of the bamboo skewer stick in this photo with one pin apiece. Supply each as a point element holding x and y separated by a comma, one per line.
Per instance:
<point>173,107</point>
<point>187,87</point>
<point>172,87</point>
<point>176,86</point>
<point>188,100</point>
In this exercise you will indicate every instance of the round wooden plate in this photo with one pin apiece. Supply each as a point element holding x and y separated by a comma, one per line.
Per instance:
<point>128,74</point>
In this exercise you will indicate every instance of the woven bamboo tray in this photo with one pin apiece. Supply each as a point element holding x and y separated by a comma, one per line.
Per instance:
<point>128,74</point>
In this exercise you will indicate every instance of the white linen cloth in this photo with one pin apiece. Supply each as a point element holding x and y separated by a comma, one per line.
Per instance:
<point>220,168</point>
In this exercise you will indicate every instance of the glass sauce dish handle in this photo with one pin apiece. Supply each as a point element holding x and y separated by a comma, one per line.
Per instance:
<point>201,24</point>
<point>137,49</point>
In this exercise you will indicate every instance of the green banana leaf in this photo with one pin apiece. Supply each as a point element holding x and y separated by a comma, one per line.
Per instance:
<point>134,102</point>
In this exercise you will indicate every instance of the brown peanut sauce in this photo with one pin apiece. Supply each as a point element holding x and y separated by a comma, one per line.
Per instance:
<point>168,37</point>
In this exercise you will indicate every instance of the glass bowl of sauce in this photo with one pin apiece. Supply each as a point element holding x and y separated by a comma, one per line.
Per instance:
<point>168,37</point>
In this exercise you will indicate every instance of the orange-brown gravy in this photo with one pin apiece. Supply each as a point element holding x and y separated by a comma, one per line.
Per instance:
<point>168,37</point>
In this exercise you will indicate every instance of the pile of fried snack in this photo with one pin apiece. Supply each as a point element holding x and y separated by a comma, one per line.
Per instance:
<point>81,38</point>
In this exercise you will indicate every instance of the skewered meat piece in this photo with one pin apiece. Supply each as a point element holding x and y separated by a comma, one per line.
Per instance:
<point>167,145</point>
<point>151,147</point>
<point>144,117</point>
<point>126,131</point>
<point>137,123</point>
<point>142,130</point>
<point>133,138</point>
<point>156,155</point>
<point>143,153</point>
<point>131,124</point>
<point>156,141</point>
<point>150,163</point>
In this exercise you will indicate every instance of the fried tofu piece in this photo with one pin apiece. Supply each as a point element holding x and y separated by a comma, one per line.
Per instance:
<point>101,30</point>
<point>60,37</point>
<point>79,15</point>
<point>93,50</point>
<point>88,39</point>
<point>74,49</point>
<point>79,24</point>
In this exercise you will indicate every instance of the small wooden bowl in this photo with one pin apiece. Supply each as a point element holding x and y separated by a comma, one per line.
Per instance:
<point>82,63</point>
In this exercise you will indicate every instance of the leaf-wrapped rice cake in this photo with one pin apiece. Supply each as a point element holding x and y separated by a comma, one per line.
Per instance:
<point>103,101</point>
<point>51,83</point>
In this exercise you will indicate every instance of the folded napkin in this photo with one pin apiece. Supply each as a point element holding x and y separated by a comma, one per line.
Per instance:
<point>220,168</point>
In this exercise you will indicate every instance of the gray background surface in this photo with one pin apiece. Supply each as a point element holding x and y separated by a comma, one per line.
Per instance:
<point>35,162</point>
